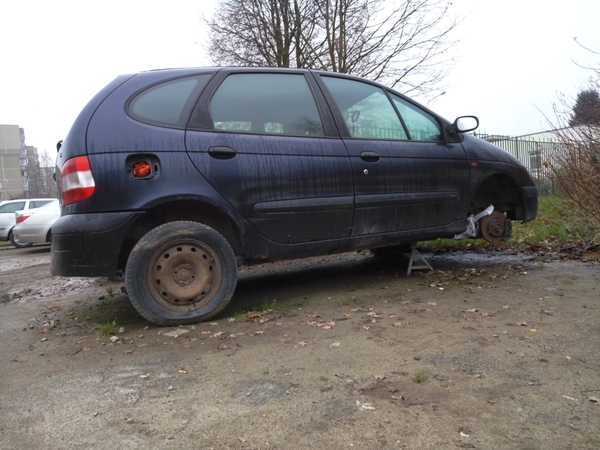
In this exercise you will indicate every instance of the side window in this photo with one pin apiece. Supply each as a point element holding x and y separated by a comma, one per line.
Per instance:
<point>12,207</point>
<point>266,103</point>
<point>421,125</point>
<point>367,110</point>
<point>164,104</point>
<point>38,203</point>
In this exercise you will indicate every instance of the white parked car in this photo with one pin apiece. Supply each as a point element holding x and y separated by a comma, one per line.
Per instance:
<point>36,227</point>
<point>7,216</point>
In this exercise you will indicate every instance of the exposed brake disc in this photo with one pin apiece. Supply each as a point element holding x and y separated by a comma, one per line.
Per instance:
<point>493,227</point>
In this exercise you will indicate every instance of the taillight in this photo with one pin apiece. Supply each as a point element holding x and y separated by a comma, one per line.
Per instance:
<point>22,217</point>
<point>76,180</point>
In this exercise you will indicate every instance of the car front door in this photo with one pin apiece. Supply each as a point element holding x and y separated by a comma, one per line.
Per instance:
<point>406,176</point>
<point>263,143</point>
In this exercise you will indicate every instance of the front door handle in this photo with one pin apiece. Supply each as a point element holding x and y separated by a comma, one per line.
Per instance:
<point>222,152</point>
<point>369,156</point>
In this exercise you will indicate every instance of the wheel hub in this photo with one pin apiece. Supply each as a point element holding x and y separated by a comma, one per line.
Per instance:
<point>493,227</point>
<point>184,275</point>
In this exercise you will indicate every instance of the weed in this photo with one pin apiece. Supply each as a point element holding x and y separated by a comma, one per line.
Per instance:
<point>238,316</point>
<point>107,328</point>
<point>419,377</point>
<point>110,290</point>
<point>369,318</point>
<point>268,305</point>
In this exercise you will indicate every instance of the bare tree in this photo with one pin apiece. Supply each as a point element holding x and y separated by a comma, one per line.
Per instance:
<point>45,181</point>
<point>576,163</point>
<point>261,32</point>
<point>404,44</point>
<point>576,168</point>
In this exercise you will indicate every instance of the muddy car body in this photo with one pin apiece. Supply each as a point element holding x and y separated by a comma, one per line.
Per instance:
<point>175,177</point>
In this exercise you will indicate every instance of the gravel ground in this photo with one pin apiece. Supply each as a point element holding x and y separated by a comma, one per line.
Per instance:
<point>491,351</point>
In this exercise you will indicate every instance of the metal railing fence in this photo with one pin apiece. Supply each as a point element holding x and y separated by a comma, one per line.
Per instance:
<point>532,153</point>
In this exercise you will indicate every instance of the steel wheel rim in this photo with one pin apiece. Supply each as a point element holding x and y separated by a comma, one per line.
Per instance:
<point>184,275</point>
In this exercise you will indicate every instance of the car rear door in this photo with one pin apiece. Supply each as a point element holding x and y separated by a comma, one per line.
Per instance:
<point>263,142</point>
<point>406,176</point>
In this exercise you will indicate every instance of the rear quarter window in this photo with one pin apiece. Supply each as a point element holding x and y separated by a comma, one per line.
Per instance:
<point>167,104</point>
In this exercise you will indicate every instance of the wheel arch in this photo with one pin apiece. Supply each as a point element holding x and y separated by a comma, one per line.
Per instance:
<point>180,273</point>
<point>502,191</point>
<point>189,209</point>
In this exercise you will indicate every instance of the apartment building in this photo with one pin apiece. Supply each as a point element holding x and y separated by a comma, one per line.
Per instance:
<point>19,165</point>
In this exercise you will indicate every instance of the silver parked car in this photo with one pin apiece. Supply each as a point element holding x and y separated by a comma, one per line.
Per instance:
<point>7,216</point>
<point>36,228</point>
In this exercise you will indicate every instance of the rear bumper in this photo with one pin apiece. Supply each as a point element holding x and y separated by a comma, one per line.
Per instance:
<point>89,245</point>
<point>31,236</point>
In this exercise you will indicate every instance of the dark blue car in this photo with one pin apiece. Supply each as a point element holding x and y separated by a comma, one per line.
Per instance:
<point>175,177</point>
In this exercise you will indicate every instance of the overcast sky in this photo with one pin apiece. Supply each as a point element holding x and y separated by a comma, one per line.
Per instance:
<point>513,57</point>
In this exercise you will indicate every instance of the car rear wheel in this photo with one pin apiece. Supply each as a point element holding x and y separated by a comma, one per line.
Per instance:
<point>14,241</point>
<point>181,273</point>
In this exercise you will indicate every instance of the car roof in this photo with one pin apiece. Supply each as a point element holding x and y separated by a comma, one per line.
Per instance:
<point>25,199</point>
<point>13,200</point>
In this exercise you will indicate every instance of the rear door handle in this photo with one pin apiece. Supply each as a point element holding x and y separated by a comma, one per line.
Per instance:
<point>369,156</point>
<point>222,152</point>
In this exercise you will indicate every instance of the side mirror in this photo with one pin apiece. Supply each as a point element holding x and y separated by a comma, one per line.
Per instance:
<point>464,124</point>
<point>58,145</point>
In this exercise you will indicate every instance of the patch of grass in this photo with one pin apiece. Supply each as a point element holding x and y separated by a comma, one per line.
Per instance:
<point>239,315</point>
<point>266,307</point>
<point>107,328</point>
<point>554,226</point>
<point>269,305</point>
<point>451,244</point>
<point>369,318</point>
<point>419,377</point>
<point>555,223</point>
<point>111,290</point>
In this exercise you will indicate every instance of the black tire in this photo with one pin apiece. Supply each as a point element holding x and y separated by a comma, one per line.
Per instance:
<point>16,243</point>
<point>181,273</point>
<point>391,252</point>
